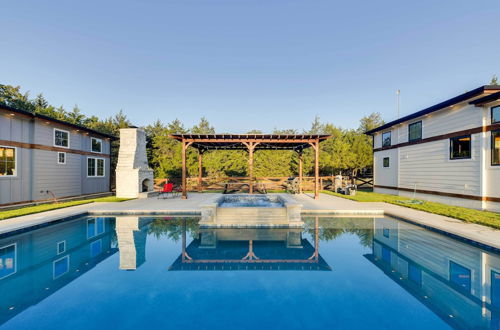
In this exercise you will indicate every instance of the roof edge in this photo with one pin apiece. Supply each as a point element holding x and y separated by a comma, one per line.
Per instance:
<point>454,100</point>
<point>58,121</point>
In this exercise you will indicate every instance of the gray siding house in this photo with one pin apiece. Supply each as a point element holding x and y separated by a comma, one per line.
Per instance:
<point>42,158</point>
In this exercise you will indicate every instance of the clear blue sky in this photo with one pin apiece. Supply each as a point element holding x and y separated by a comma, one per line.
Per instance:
<point>249,64</point>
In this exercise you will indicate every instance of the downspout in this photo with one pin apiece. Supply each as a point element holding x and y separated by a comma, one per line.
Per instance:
<point>482,159</point>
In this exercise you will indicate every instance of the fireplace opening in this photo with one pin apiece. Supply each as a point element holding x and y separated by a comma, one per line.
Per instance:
<point>145,185</point>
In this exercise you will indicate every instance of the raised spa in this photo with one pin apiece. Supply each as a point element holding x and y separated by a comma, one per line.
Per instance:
<point>251,211</point>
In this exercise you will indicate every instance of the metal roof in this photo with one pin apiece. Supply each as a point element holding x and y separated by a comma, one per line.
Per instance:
<point>457,99</point>
<point>54,120</point>
<point>236,141</point>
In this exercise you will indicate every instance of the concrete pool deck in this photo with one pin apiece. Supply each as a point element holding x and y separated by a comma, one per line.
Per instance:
<point>326,205</point>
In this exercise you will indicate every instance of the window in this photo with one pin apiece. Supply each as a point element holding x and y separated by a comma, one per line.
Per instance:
<point>61,158</point>
<point>61,247</point>
<point>495,289</point>
<point>386,161</point>
<point>7,161</point>
<point>100,167</point>
<point>386,139</point>
<point>95,248</point>
<point>386,254</point>
<point>460,147</point>
<point>495,114</point>
<point>96,145</point>
<point>8,260</point>
<point>460,276</point>
<point>415,274</point>
<point>95,167</point>
<point>95,227</point>
<point>495,148</point>
<point>61,138</point>
<point>60,267</point>
<point>385,232</point>
<point>415,131</point>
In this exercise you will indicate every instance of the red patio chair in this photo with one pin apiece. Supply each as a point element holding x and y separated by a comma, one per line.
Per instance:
<point>168,189</point>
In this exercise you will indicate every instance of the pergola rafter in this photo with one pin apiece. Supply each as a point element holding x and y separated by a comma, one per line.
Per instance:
<point>250,143</point>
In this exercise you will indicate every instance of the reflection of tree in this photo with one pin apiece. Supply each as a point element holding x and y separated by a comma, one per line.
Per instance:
<point>172,227</point>
<point>330,228</point>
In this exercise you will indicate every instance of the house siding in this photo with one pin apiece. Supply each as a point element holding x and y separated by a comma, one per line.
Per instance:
<point>427,166</point>
<point>38,170</point>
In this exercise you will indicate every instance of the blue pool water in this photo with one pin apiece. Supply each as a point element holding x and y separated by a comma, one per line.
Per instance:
<point>349,273</point>
<point>250,201</point>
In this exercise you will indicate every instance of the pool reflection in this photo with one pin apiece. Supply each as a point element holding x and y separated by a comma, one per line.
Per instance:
<point>458,282</point>
<point>37,263</point>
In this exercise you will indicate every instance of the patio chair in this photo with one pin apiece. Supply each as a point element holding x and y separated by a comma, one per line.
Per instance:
<point>168,189</point>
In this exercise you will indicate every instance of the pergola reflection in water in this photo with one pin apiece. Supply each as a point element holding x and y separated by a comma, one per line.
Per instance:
<point>250,249</point>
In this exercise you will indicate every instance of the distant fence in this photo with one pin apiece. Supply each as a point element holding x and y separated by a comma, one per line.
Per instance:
<point>271,183</point>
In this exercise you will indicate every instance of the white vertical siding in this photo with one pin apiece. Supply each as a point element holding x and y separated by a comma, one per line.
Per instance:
<point>386,176</point>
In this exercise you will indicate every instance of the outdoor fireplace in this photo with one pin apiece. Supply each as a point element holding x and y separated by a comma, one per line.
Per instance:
<point>134,178</point>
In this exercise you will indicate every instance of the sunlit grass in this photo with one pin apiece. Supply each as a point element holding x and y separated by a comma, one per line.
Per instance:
<point>48,207</point>
<point>486,218</point>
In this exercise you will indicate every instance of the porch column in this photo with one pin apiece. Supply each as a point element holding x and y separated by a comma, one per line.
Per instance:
<point>200,170</point>
<point>300,171</point>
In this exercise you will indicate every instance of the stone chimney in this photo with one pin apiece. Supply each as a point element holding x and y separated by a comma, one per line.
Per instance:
<point>134,178</point>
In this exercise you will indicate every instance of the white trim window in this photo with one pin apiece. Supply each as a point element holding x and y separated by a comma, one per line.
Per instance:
<point>61,247</point>
<point>61,158</point>
<point>61,138</point>
<point>95,167</point>
<point>8,161</point>
<point>60,267</point>
<point>96,145</point>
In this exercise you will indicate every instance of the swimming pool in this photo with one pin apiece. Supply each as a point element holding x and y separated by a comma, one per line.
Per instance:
<point>129,272</point>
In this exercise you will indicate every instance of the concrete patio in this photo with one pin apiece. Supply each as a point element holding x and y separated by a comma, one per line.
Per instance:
<point>326,205</point>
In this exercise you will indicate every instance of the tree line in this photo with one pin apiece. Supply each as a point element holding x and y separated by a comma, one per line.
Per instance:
<point>349,150</point>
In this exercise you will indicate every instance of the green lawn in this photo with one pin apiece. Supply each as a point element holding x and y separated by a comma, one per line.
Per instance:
<point>486,218</point>
<point>47,207</point>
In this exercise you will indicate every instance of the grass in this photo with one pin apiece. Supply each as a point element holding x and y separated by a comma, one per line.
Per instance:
<point>48,207</point>
<point>491,219</point>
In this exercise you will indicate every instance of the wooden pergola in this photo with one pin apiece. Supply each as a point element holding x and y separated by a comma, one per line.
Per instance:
<point>250,143</point>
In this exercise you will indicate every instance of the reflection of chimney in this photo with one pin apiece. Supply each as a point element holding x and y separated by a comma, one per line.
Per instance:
<point>131,242</point>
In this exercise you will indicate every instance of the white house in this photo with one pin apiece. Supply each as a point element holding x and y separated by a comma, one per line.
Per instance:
<point>449,152</point>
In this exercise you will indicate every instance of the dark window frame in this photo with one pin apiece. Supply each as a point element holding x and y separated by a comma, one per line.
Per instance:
<point>388,162</point>
<point>451,147</point>
<point>421,131</point>
<point>492,147</point>
<point>492,109</point>
<point>390,139</point>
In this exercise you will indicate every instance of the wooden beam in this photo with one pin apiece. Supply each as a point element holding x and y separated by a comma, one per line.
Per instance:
<point>184,170</point>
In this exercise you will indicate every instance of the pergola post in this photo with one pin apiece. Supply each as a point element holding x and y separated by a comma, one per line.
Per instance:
<point>300,170</point>
<point>200,171</point>
<point>251,147</point>
<point>185,145</point>
<point>316,169</point>
<point>315,146</point>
